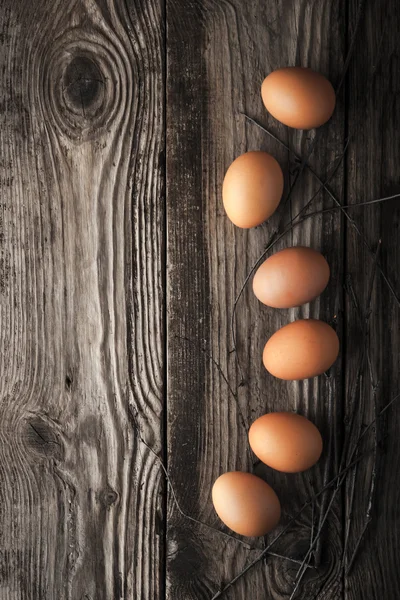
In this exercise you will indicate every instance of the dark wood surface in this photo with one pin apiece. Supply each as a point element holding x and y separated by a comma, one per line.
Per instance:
<point>82,212</point>
<point>118,274</point>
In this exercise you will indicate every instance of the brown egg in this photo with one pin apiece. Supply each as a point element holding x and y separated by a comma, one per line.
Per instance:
<point>252,189</point>
<point>246,503</point>
<point>291,277</point>
<point>298,97</point>
<point>300,350</point>
<point>285,441</point>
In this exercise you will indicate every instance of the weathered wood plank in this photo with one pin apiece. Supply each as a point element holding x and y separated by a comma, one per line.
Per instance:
<point>373,172</point>
<point>217,56</point>
<point>82,262</point>
<point>81,330</point>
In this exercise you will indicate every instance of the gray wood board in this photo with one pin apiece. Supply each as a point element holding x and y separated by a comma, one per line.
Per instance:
<point>118,274</point>
<point>218,55</point>
<point>81,220</point>
<point>372,309</point>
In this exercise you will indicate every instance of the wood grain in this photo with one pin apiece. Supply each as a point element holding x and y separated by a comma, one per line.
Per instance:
<point>216,61</point>
<point>81,242</point>
<point>118,274</point>
<point>373,161</point>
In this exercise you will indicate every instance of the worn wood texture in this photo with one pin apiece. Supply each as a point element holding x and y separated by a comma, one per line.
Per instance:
<point>118,274</point>
<point>373,313</point>
<point>81,242</point>
<point>218,55</point>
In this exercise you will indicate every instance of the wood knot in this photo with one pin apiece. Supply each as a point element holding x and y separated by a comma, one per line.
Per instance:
<point>82,83</point>
<point>108,497</point>
<point>41,439</point>
<point>81,92</point>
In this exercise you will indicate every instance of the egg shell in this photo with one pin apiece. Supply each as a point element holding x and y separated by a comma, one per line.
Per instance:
<point>291,277</point>
<point>252,189</point>
<point>301,350</point>
<point>298,97</point>
<point>246,503</point>
<point>285,441</point>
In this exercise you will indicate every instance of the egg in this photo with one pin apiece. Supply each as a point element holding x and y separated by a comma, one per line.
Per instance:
<point>300,350</point>
<point>252,189</point>
<point>298,97</point>
<point>246,503</point>
<point>285,441</point>
<point>291,277</point>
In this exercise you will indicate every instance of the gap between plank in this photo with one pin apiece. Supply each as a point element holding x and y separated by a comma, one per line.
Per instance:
<point>344,299</point>
<point>164,258</point>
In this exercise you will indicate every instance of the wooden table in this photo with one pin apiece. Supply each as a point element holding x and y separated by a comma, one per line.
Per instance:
<point>118,274</point>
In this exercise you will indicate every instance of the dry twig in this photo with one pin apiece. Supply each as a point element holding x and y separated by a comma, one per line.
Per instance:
<point>338,479</point>
<point>193,519</point>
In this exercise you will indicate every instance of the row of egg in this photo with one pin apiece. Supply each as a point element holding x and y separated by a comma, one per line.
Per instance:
<point>253,184</point>
<point>284,441</point>
<point>307,347</point>
<point>252,190</point>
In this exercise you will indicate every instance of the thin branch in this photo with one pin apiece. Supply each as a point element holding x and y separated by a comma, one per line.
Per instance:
<point>302,166</point>
<point>375,469</point>
<point>283,557</point>
<point>350,514</point>
<point>330,483</point>
<point>341,207</point>
<point>372,490</point>
<point>288,228</point>
<point>317,552</point>
<point>360,438</point>
<point>175,499</point>
<point>356,548</point>
<point>312,521</point>
<point>302,570</point>
<point>356,403</point>
<point>190,518</point>
<point>275,238</point>
<point>219,369</point>
<point>287,526</point>
<point>375,387</point>
<point>233,394</point>
<point>380,413</point>
<point>350,52</point>
<point>356,409</point>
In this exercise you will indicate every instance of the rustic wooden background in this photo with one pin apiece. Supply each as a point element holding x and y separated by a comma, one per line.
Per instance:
<point>118,274</point>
